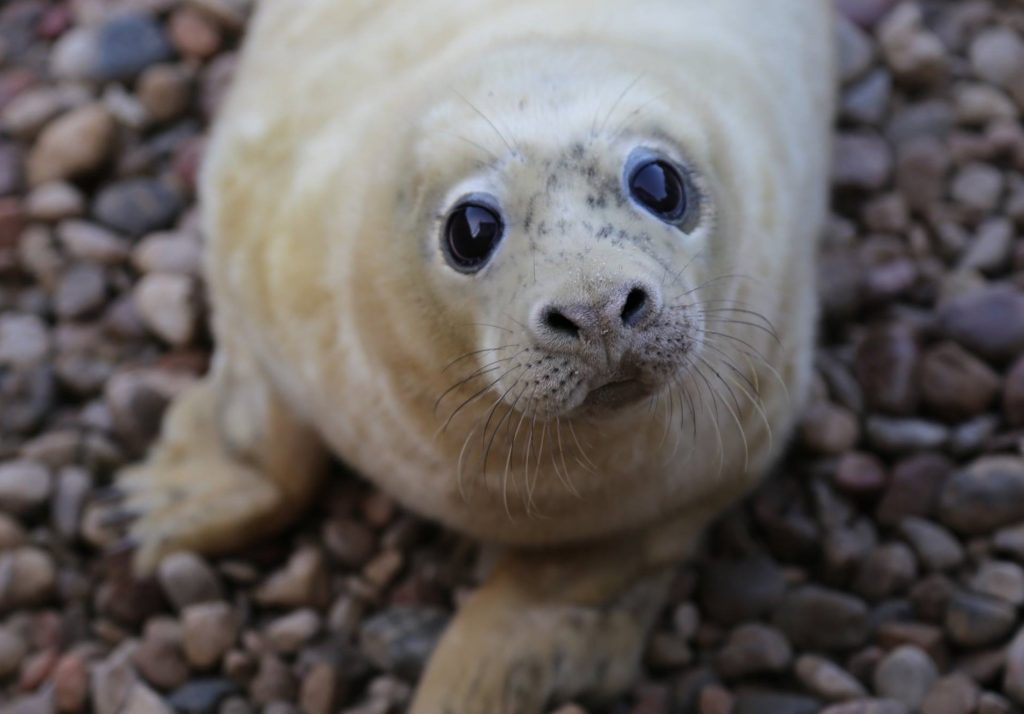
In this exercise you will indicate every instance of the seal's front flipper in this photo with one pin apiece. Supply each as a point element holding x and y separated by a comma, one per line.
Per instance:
<point>232,464</point>
<point>546,628</point>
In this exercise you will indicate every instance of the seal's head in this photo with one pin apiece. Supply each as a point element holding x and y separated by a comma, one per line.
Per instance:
<point>569,227</point>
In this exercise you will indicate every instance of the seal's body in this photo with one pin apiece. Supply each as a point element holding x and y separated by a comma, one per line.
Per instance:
<point>541,270</point>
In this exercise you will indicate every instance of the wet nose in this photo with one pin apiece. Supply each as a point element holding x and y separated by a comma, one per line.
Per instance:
<point>612,314</point>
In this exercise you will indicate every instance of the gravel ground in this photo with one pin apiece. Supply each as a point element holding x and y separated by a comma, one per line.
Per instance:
<point>878,572</point>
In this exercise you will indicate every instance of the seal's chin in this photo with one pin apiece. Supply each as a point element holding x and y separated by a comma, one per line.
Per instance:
<point>617,394</point>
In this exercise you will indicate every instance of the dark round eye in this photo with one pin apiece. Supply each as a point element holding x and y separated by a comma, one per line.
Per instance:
<point>472,234</point>
<point>658,187</point>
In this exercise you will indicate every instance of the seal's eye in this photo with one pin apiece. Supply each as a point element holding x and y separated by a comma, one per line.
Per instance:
<point>658,186</point>
<point>471,235</point>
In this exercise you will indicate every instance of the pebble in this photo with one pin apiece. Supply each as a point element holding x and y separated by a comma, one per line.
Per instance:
<point>74,484</point>
<point>988,322</point>
<point>137,398</point>
<point>936,547</point>
<point>28,112</point>
<point>922,165</point>
<point>856,50</point>
<point>1000,579</point>
<point>829,429</point>
<point>25,486</point>
<point>28,578</point>
<point>865,12</point>
<point>11,168</point>
<point>113,679</point>
<point>978,187</point>
<point>75,145</point>
<point>977,620</point>
<point>24,340</point>
<point>75,55</point>
<point>349,542</point>
<point>955,693</point>
<point>955,384</point>
<point>91,243</point>
<point>867,100</point>
<point>914,487</point>
<point>984,496</point>
<point>12,652</point>
<point>868,706</point>
<point>201,696</point>
<point>1013,678</point>
<point>861,161</point>
<point>759,701</point>
<point>168,253</point>
<point>230,14</point>
<point>143,700</point>
<point>168,306</point>
<point>81,291</point>
<point>209,630</point>
<point>733,591</point>
<point>859,473</point>
<point>971,437</point>
<point>301,583</point>
<point>383,568</point>
<point>11,533</point>
<point>1010,541</point>
<point>896,436</point>
<point>905,675</point>
<point>400,639</point>
<point>289,633</point>
<point>997,56</point>
<point>886,367</point>
<point>137,206</point>
<point>888,570</point>
<point>321,691</point>
<point>979,104</point>
<point>187,579</point>
<point>992,703</point>
<point>825,679</point>
<point>71,683</point>
<point>814,618</point>
<point>668,651</point>
<point>127,44</point>
<point>165,92</point>
<point>159,657</point>
<point>55,201</point>
<point>274,681</point>
<point>1013,392</point>
<point>716,700</point>
<point>193,34</point>
<point>912,52</point>
<point>753,649</point>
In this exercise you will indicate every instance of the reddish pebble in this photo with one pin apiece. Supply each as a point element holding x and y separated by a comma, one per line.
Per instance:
<point>71,684</point>
<point>37,669</point>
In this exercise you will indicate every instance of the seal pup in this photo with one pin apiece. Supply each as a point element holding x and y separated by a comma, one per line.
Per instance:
<point>541,270</point>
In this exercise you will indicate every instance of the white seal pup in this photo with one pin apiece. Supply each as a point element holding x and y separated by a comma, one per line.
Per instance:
<point>542,270</point>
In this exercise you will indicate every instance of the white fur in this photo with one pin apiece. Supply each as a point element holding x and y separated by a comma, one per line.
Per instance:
<point>352,127</point>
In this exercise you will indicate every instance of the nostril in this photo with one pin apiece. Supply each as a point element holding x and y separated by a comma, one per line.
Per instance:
<point>635,307</point>
<point>561,324</point>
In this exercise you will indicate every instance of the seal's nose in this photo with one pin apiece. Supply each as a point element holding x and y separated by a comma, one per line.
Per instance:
<point>609,316</point>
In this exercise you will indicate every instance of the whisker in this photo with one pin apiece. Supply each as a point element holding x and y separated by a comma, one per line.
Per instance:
<point>477,396</point>
<point>561,452</point>
<point>490,123</point>
<point>486,369</point>
<point>714,403</point>
<point>592,468</point>
<point>732,413</point>
<point>595,131</point>
<point>473,354</point>
<point>621,127</point>
<point>504,419</point>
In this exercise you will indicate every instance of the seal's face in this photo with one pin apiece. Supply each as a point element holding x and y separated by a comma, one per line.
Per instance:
<point>573,235</point>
